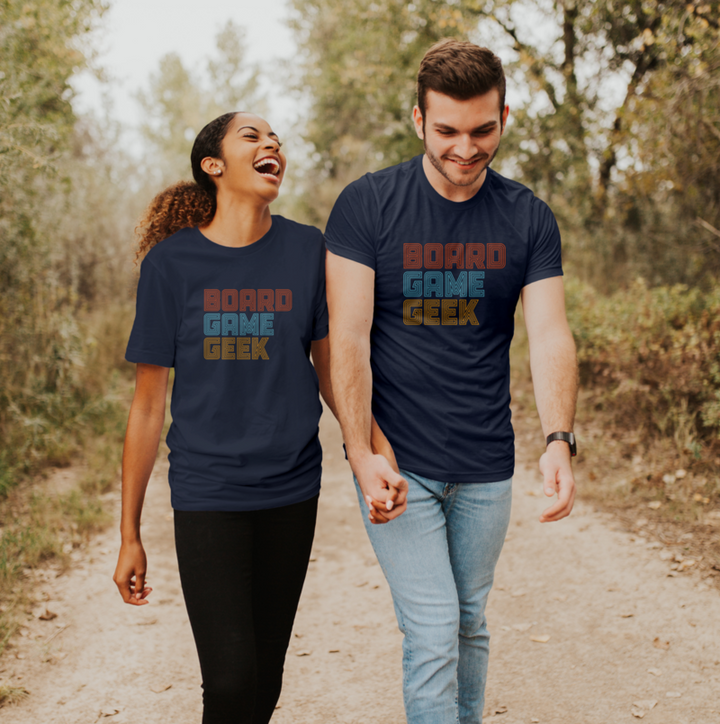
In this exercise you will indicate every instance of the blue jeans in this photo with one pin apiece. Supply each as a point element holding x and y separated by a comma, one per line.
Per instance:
<point>439,559</point>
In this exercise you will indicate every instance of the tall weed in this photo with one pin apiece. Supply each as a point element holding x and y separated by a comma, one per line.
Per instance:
<point>653,355</point>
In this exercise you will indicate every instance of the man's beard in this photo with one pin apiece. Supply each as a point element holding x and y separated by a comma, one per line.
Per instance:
<point>437,164</point>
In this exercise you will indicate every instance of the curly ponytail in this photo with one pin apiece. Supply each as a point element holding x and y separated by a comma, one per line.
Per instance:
<point>185,204</point>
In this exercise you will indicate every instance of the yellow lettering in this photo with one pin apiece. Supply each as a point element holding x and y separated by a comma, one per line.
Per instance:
<point>432,311</point>
<point>243,349</point>
<point>258,348</point>
<point>412,315</point>
<point>466,312</point>
<point>228,347</point>
<point>211,348</point>
<point>449,310</point>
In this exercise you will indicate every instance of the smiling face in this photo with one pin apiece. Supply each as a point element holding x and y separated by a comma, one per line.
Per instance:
<point>252,164</point>
<point>461,138</point>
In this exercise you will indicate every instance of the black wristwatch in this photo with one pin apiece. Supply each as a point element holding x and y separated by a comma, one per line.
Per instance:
<point>567,436</point>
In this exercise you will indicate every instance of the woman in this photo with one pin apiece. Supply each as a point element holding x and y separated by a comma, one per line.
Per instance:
<point>234,300</point>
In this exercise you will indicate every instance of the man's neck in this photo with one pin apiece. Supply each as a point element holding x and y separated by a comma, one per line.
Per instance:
<point>449,190</point>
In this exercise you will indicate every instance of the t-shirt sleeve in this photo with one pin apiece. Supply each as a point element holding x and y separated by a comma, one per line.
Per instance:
<point>545,253</point>
<point>320,316</point>
<point>350,231</point>
<point>152,339</point>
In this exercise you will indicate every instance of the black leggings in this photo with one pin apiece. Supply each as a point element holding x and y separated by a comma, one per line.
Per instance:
<point>242,574</point>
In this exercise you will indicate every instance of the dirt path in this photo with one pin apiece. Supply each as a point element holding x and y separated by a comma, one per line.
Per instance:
<point>621,630</point>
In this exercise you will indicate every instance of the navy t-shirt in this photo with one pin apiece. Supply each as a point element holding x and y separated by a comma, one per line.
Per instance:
<point>236,324</point>
<point>448,277</point>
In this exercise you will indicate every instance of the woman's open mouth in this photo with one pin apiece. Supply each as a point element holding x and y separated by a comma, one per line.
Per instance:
<point>268,167</point>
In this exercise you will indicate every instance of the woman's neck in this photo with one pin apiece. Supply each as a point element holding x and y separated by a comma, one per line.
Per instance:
<point>238,224</point>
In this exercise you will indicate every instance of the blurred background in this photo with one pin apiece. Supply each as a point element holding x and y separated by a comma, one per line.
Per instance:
<point>614,121</point>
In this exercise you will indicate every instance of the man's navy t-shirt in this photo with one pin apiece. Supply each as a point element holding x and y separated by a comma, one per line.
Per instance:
<point>448,277</point>
<point>236,324</point>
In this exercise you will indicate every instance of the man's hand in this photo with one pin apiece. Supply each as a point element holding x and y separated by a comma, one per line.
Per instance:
<point>384,490</point>
<point>556,469</point>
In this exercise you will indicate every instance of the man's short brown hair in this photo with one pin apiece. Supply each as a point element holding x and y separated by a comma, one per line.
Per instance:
<point>461,70</point>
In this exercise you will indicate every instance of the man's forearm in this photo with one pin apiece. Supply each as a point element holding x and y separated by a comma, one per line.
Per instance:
<point>554,371</point>
<point>350,372</point>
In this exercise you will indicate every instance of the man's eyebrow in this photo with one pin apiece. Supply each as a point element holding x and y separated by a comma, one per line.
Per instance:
<point>445,127</point>
<point>272,133</point>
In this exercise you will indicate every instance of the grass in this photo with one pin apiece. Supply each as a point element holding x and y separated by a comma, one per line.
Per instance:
<point>39,528</point>
<point>656,484</point>
<point>12,694</point>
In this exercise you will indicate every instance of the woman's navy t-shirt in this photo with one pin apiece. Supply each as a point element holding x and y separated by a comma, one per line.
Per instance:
<point>447,280</point>
<point>236,324</point>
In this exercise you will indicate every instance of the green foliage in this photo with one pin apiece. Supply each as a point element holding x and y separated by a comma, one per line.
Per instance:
<point>60,235</point>
<point>180,101</point>
<point>357,68</point>
<point>654,353</point>
<point>633,181</point>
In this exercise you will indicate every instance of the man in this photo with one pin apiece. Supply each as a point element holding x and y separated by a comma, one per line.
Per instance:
<point>426,263</point>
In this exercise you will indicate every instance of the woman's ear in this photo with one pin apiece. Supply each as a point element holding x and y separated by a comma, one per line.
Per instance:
<point>212,166</point>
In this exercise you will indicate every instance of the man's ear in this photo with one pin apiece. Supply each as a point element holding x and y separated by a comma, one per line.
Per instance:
<point>503,118</point>
<point>418,123</point>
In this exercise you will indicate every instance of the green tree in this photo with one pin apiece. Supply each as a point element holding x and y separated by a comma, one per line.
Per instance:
<point>180,101</point>
<point>357,68</point>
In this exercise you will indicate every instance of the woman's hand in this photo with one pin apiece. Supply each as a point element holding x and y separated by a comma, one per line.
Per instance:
<point>381,446</point>
<point>130,574</point>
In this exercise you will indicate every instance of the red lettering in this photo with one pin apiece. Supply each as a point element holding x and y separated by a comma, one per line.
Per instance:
<point>283,300</point>
<point>212,300</point>
<point>454,254</point>
<point>266,300</point>
<point>496,256</point>
<point>247,300</point>
<point>229,300</point>
<point>433,256</point>
<point>412,256</point>
<point>474,256</point>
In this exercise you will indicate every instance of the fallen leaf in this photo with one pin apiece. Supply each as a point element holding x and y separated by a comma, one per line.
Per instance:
<point>522,626</point>
<point>149,622</point>
<point>658,643</point>
<point>532,493</point>
<point>654,505</point>
<point>655,672</point>
<point>627,614</point>
<point>540,639</point>
<point>698,498</point>
<point>668,479</point>
<point>502,709</point>
<point>640,708</point>
<point>303,653</point>
<point>517,594</point>
<point>685,565</point>
<point>535,721</point>
<point>109,711</point>
<point>334,651</point>
<point>360,585</point>
<point>673,694</point>
<point>47,616</point>
<point>159,688</point>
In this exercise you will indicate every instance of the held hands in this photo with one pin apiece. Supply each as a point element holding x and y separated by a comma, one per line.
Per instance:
<point>556,469</point>
<point>130,574</point>
<point>384,489</point>
<point>380,507</point>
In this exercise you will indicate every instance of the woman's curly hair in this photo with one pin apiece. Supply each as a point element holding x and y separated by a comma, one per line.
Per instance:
<point>185,204</point>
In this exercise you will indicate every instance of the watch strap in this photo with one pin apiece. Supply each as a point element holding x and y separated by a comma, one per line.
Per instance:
<point>568,437</point>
